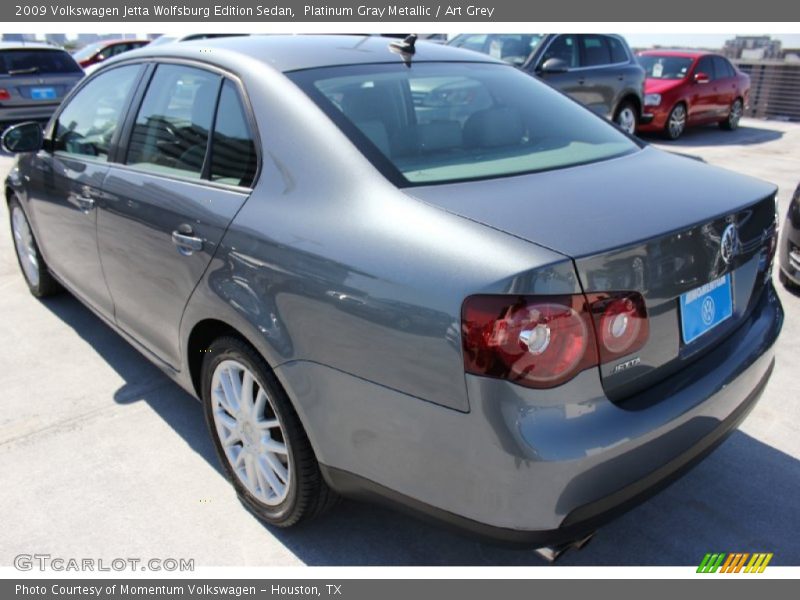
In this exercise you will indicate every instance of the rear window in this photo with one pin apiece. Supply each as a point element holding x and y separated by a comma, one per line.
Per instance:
<point>35,62</point>
<point>665,67</point>
<point>445,122</point>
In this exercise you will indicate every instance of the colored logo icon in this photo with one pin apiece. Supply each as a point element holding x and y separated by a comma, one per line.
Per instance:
<point>734,562</point>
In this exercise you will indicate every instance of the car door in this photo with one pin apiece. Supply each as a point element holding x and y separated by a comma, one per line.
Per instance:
<point>168,206</point>
<point>600,80</point>
<point>725,84</point>
<point>66,180</point>
<point>703,104</point>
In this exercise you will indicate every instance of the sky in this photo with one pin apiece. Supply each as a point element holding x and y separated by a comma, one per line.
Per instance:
<point>642,40</point>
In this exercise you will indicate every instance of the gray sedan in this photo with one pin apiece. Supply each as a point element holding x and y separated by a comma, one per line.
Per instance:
<point>405,271</point>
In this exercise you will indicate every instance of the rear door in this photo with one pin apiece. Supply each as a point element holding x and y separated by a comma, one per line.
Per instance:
<point>725,84</point>
<point>600,79</point>
<point>188,169</point>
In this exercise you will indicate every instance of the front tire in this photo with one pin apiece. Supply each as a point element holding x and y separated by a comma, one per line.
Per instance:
<point>627,117</point>
<point>676,122</point>
<point>258,437</point>
<point>731,123</point>
<point>34,269</point>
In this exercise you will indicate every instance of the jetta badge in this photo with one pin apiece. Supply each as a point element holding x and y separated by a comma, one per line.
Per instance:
<point>729,244</point>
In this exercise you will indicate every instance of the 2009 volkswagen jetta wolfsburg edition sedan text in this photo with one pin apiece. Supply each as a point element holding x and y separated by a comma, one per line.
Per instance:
<point>408,271</point>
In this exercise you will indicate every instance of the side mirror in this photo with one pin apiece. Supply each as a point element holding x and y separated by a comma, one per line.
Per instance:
<point>25,137</point>
<point>701,78</point>
<point>554,65</point>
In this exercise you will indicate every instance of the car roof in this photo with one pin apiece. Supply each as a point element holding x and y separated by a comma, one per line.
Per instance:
<point>28,46</point>
<point>678,52</point>
<point>297,52</point>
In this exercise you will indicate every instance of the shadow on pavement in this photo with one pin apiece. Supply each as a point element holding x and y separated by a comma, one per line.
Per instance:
<point>742,498</point>
<point>711,135</point>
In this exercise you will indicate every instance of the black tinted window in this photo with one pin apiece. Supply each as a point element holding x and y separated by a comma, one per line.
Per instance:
<point>26,62</point>
<point>172,128</point>
<point>564,47</point>
<point>723,68</point>
<point>705,65</point>
<point>233,152</point>
<point>87,124</point>
<point>595,51</point>
<point>618,52</point>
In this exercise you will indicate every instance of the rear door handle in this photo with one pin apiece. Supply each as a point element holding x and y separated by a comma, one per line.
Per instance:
<point>84,203</point>
<point>186,243</point>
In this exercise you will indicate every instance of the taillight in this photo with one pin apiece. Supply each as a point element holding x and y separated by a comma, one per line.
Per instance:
<point>620,323</point>
<point>4,94</point>
<point>544,341</point>
<point>537,342</point>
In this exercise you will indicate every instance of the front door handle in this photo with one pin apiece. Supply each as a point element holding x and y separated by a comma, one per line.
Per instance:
<point>84,203</point>
<point>186,243</point>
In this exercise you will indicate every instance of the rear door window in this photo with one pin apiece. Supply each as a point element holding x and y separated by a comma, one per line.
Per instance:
<point>233,151</point>
<point>171,132</point>
<point>596,52</point>
<point>723,68</point>
<point>87,125</point>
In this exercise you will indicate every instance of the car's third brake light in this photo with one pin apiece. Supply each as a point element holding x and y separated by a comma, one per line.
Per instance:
<point>544,341</point>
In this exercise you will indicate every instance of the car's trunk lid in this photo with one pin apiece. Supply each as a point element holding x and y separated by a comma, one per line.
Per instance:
<point>650,222</point>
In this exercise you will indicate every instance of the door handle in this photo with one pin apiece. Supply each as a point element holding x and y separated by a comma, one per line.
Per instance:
<point>581,81</point>
<point>186,243</point>
<point>84,203</point>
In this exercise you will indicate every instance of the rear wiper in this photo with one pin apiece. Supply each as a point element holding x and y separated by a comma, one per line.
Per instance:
<point>27,71</point>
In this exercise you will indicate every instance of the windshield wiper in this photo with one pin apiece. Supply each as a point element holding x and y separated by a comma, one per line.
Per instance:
<point>27,71</point>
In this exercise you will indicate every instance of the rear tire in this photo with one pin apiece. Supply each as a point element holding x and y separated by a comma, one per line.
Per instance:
<point>627,117</point>
<point>786,282</point>
<point>258,437</point>
<point>34,269</point>
<point>731,122</point>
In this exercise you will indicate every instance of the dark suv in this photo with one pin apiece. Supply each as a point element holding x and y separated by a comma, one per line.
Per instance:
<point>598,70</point>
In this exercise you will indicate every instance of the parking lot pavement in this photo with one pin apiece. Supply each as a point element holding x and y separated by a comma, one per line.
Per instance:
<point>102,456</point>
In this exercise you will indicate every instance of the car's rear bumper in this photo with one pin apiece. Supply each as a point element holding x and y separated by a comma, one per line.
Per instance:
<point>528,466</point>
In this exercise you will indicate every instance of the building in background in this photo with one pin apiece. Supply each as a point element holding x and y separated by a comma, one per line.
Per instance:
<point>752,47</point>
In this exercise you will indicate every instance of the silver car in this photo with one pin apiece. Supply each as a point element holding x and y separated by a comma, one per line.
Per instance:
<point>404,270</point>
<point>34,78</point>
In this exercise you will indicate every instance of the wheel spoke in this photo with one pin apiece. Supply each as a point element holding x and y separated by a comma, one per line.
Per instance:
<point>268,424</point>
<point>259,405</point>
<point>275,446</point>
<point>277,466</point>
<point>231,397</point>
<point>222,400</point>
<point>272,480</point>
<point>250,471</point>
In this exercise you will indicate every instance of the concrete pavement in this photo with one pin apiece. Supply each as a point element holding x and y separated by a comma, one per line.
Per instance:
<point>102,456</point>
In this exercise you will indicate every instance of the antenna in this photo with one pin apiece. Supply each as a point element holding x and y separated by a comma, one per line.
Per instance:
<point>405,48</point>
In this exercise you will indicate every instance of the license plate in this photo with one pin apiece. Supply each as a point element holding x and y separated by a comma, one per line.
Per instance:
<point>705,307</point>
<point>43,93</point>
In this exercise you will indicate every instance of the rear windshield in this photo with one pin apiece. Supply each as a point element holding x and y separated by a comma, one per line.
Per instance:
<point>445,122</point>
<point>665,67</point>
<point>34,62</point>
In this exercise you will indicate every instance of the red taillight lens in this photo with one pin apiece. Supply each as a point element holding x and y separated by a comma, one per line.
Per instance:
<point>620,322</point>
<point>544,341</point>
<point>4,95</point>
<point>537,342</point>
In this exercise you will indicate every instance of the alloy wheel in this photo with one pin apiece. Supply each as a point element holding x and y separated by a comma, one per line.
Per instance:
<point>735,115</point>
<point>250,432</point>
<point>626,119</point>
<point>25,246</point>
<point>677,121</point>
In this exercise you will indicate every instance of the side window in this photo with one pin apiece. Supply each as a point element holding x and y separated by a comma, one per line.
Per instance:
<point>706,65</point>
<point>595,51</point>
<point>171,132</point>
<point>87,124</point>
<point>723,68</point>
<point>233,152</point>
<point>564,47</point>
<point>618,52</point>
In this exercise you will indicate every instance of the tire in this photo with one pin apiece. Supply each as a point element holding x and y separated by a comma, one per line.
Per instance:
<point>34,269</point>
<point>676,122</point>
<point>731,123</point>
<point>627,117</point>
<point>787,283</point>
<point>281,487</point>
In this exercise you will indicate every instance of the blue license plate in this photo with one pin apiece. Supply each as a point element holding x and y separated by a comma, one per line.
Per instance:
<point>43,93</point>
<point>705,307</point>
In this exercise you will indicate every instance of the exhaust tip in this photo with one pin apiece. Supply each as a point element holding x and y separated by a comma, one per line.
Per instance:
<point>552,553</point>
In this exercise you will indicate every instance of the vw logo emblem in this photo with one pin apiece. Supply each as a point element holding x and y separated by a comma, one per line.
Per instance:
<point>707,310</point>
<point>729,243</point>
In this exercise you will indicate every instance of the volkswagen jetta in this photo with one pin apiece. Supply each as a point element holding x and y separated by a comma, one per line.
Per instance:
<point>407,271</point>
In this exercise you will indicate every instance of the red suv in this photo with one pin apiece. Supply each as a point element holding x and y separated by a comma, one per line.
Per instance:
<point>100,51</point>
<point>690,87</point>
